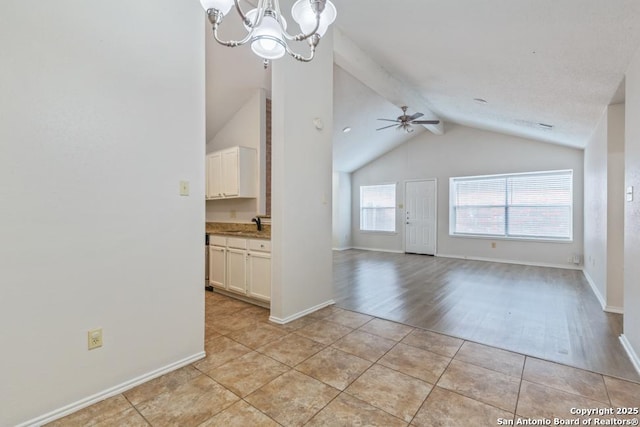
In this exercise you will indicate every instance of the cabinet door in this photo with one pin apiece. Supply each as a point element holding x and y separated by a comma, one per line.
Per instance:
<point>236,266</point>
<point>259,275</point>
<point>230,185</point>
<point>217,261</point>
<point>214,176</point>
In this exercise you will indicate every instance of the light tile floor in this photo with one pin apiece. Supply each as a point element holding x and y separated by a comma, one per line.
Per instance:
<point>339,368</point>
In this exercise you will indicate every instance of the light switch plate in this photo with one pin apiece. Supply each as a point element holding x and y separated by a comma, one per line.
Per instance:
<point>184,188</point>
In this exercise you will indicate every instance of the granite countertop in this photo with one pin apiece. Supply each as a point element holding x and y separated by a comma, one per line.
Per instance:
<point>233,229</point>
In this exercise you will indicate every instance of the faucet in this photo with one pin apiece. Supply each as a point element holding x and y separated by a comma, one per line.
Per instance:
<point>258,222</point>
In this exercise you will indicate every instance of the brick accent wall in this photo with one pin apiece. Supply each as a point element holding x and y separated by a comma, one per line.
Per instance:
<point>268,160</point>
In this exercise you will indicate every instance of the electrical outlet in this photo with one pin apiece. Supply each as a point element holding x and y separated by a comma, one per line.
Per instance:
<point>232,214</point>
<point>493,245</point>
<point>94,338</point>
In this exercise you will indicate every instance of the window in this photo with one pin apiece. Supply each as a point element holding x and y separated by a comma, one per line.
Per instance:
<point>378,207</point>
<point>537,205</point>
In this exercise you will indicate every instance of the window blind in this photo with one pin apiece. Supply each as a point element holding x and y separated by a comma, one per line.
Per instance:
<point>378,207</point>
<point>537,205</point>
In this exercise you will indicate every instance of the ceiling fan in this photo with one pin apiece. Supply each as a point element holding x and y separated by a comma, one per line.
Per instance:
<point>405,122</point>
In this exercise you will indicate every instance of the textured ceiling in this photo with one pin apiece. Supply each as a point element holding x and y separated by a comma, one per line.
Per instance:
<point>556,62</point>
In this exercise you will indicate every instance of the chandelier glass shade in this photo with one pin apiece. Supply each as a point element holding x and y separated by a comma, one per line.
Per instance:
<point>267,28</point>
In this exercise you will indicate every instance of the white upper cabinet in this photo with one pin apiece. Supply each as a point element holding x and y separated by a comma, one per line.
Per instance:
<point>232,173</point>
<point>214,176</point>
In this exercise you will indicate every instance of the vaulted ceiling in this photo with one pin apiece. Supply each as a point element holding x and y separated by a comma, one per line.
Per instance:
<point>556,62</point>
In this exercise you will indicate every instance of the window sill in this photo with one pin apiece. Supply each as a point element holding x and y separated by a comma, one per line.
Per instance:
<point>513,239</point>
<point>388,233</point>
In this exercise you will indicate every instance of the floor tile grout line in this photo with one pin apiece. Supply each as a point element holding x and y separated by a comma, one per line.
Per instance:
<point>258,409</point>
<point>469,397</point>
<point>575,367</point>
<point>565,391</point>
<point>240,398</point>
<point>131,405</point>
<point>137,410</point>
<point>355,379</point>
<point>341,392</point>
<point>366,370</point>
<point>435,384</point>
<point>607,390</point>
<point>515,411</point>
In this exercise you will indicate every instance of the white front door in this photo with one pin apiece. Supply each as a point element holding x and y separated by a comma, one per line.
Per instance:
<point>420,217</point>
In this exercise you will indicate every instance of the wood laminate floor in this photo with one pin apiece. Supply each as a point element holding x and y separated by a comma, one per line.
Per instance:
<point>542,312</point>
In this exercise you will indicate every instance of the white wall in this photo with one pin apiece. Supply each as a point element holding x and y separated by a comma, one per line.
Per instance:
<point>232,75</point>
<point>101,116</point>
<point>615,208</point>
<point>604,209</point>
<point>632,211</point>
<point>302,183</point>
<point>595,209</point>
<point>341,210</point>
<point>464,151</point>
<point>246,128</point>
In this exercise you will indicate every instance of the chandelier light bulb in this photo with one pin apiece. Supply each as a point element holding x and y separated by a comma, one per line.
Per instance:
<point>224,6</point>
<point>304,15</point>
<point>267,41</point>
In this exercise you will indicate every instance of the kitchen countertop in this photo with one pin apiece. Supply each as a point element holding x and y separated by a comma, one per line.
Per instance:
<point>232,229</point>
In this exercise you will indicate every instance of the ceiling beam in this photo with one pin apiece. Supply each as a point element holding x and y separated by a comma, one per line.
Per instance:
<point>348,56</point>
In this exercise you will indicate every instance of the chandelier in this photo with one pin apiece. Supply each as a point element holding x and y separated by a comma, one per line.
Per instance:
<point>267,28</point>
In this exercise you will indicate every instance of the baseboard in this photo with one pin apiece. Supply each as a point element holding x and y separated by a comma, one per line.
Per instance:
<point>595,290</point>
<point>110,392</point>
<point>346,248</point>
<point>635,360</point>
<point>601,300</point>
<point>378,250</point>
<point>510,261</point>
<point>614,310</point>
<point>300,314</point>
<point>254,301</point>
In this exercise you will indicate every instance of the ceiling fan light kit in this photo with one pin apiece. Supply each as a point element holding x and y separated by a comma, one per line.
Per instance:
<point>406,122</point>
<point>267,28</point>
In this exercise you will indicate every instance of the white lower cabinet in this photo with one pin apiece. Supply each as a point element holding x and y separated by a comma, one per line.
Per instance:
<point>259,275</point>
<point>217,267</point>
<point>241,266</point>
<point>237,270</point>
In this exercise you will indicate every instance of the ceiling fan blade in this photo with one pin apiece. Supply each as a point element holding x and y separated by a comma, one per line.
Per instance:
<point>389,120</point>
<point>425,122</point>
<point>415,116</point>
<point>386,127</point>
